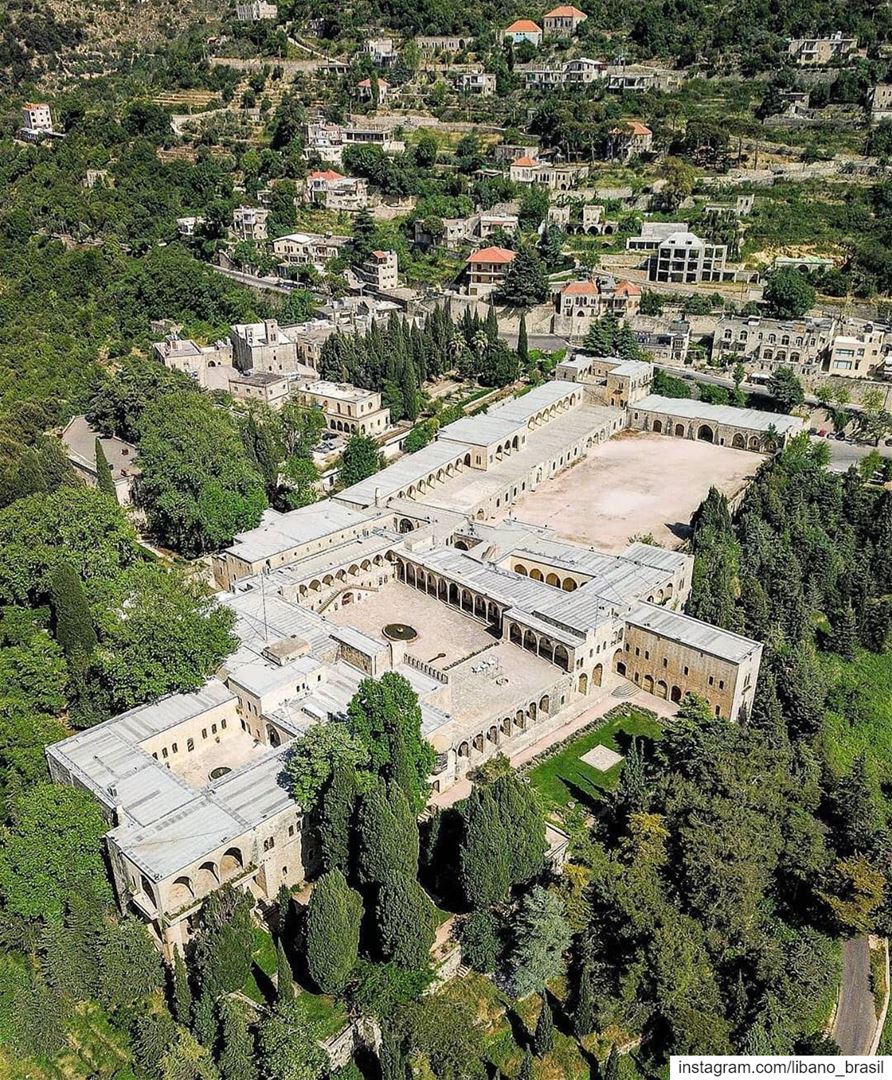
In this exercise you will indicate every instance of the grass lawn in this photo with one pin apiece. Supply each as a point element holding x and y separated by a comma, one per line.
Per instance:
<point>95,1051</point>
<point>864,725</point>
<point>564,777</point>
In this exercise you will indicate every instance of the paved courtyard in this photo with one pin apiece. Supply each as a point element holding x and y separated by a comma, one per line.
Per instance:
<point>234,749</point>
<point>635,483</point>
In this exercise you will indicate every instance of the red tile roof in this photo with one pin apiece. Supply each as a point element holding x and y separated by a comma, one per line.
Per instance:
<point>523,26</point>
<point>628,288</point>
<point>325,174</point>
<point>367,84</point>
<point>631,127</point>
<point>566,12</point>
<point>525,162</point>
<point>492,255</point>
<point>580,288</point>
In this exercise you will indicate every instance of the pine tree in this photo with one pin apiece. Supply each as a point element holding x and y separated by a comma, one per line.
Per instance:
<point>284,975</point>
<point>845,633</point>
<point>484,860</point>
<point>332,934</point>
<point>336,812</point>
<point>104,480</point>
<point>543,1036</point>
<point>541,937</point>
<point>71,614</point>
<point>405,921</point>
<point>855,812</point>
<point>523,346</point>
<point>236,1060</point>
<point>599,339</point>
<point>182,991</point>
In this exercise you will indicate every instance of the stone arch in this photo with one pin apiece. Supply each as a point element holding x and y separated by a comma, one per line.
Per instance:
<point>406,525</point>
<point>705,433</point>
<point>180,893</point>
<point>231,862</point>
<point>464,750</point>
<point>461,545</point>
<point>621,667</point>
<point>662,689</point>
<point>515,635</point>
<point>545,704</point>
<point>562,657</point>
<point>648,684</point>
<point>467,460</point>
<point>553,579</point>
<point>754,442</point>
<point>569,584</point>
<point>519,568</point>
<point>535,574</point>
<point>658,426</point>
<point>597,675</point>
<point>529,641</point>
<point>679,431</point>
<point>738,442</point>
<point>493,734</point>
<point>582,685</point>
<point>206,878</point>
<point>675,694</point>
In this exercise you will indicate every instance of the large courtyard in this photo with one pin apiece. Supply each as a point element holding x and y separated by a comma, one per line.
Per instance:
<point>635,483</point>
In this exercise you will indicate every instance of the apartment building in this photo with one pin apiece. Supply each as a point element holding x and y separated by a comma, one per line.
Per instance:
<point>861,351</point>
<point>818,51</point>
<point>258,11</point>
<point>249,223</point>
<point>37,122</point>
<point>325,187</point>
<point>763,344</point>
<point>481,83</point>
<point>683,258</point>
<point>380,270</point>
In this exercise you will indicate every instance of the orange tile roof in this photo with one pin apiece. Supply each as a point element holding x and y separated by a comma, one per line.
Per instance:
<point>525,162</point>
<point>492,255</point>
<point>526,26</point>
<point>580,288</point>
<point>380,254</point>
<point>325,174</point>
<point>368,83</point>
<point>631,127</point>
<point>566,12</point>
<point>628,288</point>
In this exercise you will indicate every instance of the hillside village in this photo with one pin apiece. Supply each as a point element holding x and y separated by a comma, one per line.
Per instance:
<point>445,538</point>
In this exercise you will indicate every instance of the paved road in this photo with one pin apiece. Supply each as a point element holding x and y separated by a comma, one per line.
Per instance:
<point>856,1021</point>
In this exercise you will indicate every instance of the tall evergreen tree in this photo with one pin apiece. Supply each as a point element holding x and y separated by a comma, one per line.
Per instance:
<point>332,934</point>
<point>543,1036</point>
<point>526,1067</point>
<point>182,991</point>
<point>484,860</point>
<point>236,1060</point>
<point>284,975</point>
<point>406,923</point>
<point>611,1066</point>
<point>388,842</point>
<point>844,638</point>
<point>392,1056</point>
<point>336,813</point>
<point>104,479</point>
<point>584,1005</point>
<point>523,345</point>
<point>71,614</point>
<point>523,824</point>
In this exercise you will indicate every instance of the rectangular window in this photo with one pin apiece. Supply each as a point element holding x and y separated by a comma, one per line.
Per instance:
<point>223,724</point>
<point>190,745</point>
<point>213,729</point>
<point>686,669</point>
<point>291,830</point>
<point>164,751</point>
<point>710,680</point>
<point>721,684</point>
<point>204,732</point>
<point>173,748</point>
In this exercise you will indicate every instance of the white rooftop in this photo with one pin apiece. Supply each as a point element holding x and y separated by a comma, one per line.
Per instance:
<point>688,408</point>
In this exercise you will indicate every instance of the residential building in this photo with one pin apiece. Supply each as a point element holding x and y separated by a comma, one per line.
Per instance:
<point>861,351</point>
<point>428,44</point>
<point>881,102</point>
<point>382,51</point>
<point>37,121</point>
<point>347,408</point>
<point>638,78</point>
<point>763,345</point>
<point>523,30</point>
<point>325,140</point>
<point>526,170</point>
<point>580,71</point>
<point>380,270</point>
<point>209,365</point>
<point>683,258</point>
<point>79,440</point>
<point>653,233</point>
<point>817,51</point>
<point>260,386</point>
<point>257,11</point>
<point>488,223</point>
<point>365,90</point>
<point>308,249</point>
<point>629,139</point>
<point>583,70</point>
<point>562,21</point>
<point>487,269</point>
<point>505,153</point>
<point>249,222</point>
<point>186,226</point>
<point>336,192</point>
<point>367,131</point>
<point>481,83</point>
<point>580,302</point>
<point>665,341</point>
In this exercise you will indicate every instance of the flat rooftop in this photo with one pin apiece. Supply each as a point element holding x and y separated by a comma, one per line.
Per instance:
<point>633,484</point>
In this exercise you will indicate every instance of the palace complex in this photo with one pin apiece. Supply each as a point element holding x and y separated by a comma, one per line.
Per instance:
<point>505,630</point>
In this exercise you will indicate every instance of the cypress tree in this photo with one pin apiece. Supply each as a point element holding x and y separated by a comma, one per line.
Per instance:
<point>526,1067</point>
<point>491,325</point>
<point>543,1036</point>
<point>284,975</point>
<point>392,1057</point>
<point>484,859</point>
<point>336,812</point>
<point>525,836</point>
<point>333,922</point>
<point>611,1066</point>
<point>599,339</point>
<point>388,844</point>
<point>104,481</point>
<point>236,1060</point>
<point>182,991</point>
<point>406,923</point>
<point>71,613</point>
<point>204,1019</point>
<point>584,1011</point>
<point>523,345</point>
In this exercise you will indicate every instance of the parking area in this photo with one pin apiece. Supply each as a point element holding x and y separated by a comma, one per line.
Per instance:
<point>636,483</point>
